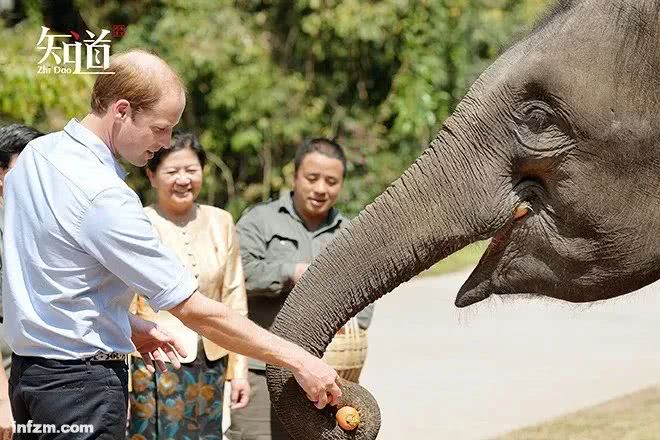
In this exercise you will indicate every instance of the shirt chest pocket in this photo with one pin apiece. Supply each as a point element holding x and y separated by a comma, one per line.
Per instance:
<point>280,247</point>
<point>323,240</point>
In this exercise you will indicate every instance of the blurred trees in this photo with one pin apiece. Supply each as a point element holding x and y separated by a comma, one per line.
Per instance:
<point>380,76</point>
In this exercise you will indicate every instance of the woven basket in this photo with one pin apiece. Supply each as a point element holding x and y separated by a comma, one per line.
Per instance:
<point>348,351</point>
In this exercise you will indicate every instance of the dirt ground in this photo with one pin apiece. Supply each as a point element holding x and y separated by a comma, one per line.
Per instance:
<point>635,416</point>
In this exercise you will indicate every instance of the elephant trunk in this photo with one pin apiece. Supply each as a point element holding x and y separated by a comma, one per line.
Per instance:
<point>447,199</point>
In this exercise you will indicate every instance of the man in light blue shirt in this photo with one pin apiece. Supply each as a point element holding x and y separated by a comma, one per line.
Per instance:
<point>77,244</point>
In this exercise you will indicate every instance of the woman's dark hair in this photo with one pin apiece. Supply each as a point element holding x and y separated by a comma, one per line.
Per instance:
<point>180,141</point>
<point>13,139</point>
<point>323,146</point>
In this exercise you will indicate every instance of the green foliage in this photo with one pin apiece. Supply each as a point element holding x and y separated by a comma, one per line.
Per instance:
<point>44,100</point>
<point>380,76</point>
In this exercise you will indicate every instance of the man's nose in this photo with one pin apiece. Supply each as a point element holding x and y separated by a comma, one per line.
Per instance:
<point>168,141</point>
<point>320,187</point>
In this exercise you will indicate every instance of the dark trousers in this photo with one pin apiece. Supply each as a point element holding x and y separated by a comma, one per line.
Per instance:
<point>258,420</point>
<point>73,400</point>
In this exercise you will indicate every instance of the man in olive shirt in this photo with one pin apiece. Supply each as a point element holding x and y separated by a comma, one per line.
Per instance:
<point>279,239</point>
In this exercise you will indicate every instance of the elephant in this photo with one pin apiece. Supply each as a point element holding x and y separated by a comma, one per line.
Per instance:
<point>553,154</point>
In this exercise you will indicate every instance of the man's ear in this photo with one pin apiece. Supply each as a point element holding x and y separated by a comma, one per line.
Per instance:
<point>121,110</point>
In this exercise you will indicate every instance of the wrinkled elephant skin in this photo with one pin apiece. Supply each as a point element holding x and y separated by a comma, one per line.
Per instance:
<point>554,153</point>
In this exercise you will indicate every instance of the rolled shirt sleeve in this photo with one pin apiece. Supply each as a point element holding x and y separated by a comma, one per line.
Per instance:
<point>117,232</point>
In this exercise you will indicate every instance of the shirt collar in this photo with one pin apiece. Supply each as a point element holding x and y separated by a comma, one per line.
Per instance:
<point>286,205</point>
<point>88,139</point>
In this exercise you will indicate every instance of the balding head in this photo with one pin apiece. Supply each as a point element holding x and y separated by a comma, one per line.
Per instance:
<point>140,77</point>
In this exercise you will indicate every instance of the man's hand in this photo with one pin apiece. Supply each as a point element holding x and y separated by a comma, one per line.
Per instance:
<point>150,340</point>
<point>298,273</point>
<point>240,393</point>
<point>319,381</point>
<point>6,419</point>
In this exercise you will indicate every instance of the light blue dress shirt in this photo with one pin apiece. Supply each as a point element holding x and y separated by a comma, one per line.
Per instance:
<point>77,244</point>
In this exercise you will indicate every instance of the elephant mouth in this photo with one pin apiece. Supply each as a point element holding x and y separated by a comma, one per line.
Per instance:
<point>464,299</point>
<point>472,291</point>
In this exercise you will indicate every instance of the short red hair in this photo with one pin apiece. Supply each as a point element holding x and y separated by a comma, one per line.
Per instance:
<point>140,78</point>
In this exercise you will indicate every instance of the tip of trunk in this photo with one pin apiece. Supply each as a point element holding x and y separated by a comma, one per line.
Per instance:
<point>306,422</point>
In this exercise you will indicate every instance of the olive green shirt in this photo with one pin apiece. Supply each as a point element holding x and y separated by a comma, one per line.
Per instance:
<point>273,239</point>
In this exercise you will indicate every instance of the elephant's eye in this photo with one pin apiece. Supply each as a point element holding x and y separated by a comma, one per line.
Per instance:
<point>539,127</point>
<point>537,120</point>
<point>536,117</point>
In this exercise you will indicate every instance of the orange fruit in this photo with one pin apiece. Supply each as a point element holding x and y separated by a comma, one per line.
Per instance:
<point>348,418</point>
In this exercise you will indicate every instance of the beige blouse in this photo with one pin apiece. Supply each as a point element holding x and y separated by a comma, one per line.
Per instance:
<point>208,246</point>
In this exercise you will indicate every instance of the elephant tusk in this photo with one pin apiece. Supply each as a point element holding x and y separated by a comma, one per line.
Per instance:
<point>522,210</point>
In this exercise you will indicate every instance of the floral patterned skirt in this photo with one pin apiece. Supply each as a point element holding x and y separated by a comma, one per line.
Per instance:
<point>184,404</point>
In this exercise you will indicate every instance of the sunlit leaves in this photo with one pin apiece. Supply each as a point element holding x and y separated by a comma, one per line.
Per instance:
<point>379,75</point>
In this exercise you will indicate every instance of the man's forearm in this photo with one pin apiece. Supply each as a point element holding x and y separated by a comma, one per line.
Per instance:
<point>236,333</point>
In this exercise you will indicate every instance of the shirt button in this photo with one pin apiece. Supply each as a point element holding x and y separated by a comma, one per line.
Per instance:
<point>196,275</point>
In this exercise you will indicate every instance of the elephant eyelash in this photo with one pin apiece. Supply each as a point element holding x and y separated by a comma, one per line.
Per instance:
<point>536,116</point>
<point>537,120</point>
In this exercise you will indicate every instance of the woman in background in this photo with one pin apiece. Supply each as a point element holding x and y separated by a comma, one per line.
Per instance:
<point>188,403</point>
